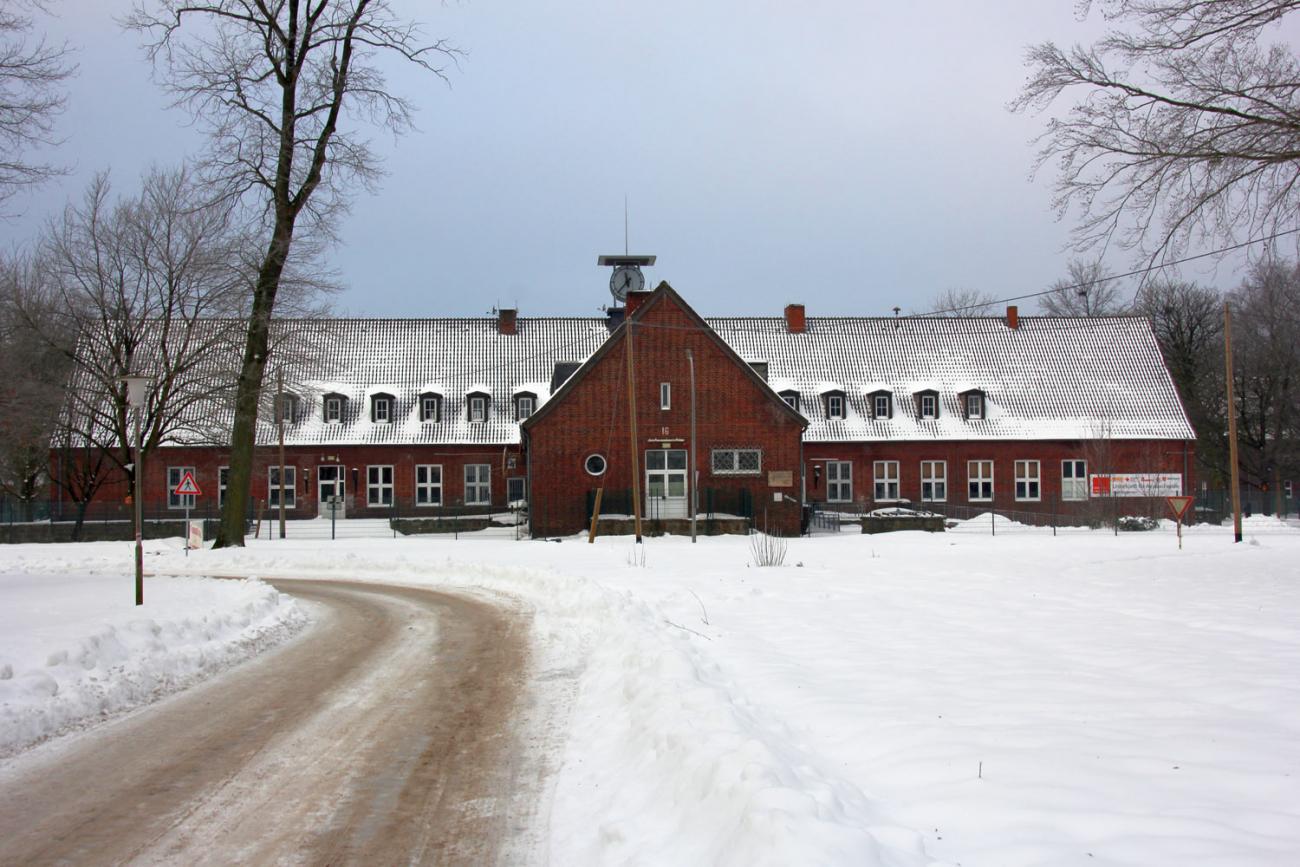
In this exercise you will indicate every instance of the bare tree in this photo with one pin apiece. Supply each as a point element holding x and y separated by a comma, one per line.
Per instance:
<point>31,71</point>
<point>1185,124</point>
<point>1089,290</point>
<point>275,85</point>
<point>962,302</point>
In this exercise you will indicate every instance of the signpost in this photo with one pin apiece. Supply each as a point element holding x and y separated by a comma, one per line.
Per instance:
<point>188,488</point>
<point>1179,506</point>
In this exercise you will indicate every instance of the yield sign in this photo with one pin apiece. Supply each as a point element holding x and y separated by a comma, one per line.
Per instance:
<point>187,487</point>
<point>1179,505</point>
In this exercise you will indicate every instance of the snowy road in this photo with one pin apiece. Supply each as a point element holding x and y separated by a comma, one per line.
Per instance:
<point>389,733</point>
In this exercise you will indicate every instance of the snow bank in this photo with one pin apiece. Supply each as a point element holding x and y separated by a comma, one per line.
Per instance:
<point>74,648</point>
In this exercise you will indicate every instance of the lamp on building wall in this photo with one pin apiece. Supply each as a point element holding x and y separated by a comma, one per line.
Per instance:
<point>137,392</point>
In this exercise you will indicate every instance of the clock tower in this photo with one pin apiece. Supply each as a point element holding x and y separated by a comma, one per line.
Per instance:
<point>626,276</point>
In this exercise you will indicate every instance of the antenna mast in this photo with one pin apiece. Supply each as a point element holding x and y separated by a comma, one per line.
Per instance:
<point>625,224</point>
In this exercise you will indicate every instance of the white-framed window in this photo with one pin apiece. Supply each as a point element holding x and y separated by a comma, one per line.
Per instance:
<point>223,482</point>
<point>839,481</point>
<point>429,408</point>
<point>273,487</point>
<point>285,406</point>
<point>880,406</point>
<point>1074,480</point>
<point>791,399</point>
<point>934,481</point>
<point>383,410</point>
<point>974,405</point>
<point>428,485</point>
<point>1028,480</point>
<point>524,406</point>
<point>478,484</point>
<point>665,395</point>
<point>174,476</point>
<point>835,406</point>
<point>333,409</point>
<point>929,406</point>
<point>979,481</point>
<point>379,485</point>
<point>886,480</point>
<point>733,462</point>
<point>478,408</point>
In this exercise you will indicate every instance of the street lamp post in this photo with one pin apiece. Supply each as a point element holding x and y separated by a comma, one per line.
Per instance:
<point>137,389</point>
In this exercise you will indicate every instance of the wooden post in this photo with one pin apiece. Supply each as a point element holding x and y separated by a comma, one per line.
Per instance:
<point>631,408</point>
<point>279,413</point>
<point>1232,425</point>
<point>595,515</point>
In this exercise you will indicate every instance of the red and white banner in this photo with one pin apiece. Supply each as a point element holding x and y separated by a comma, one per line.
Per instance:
<point>1136,484</point>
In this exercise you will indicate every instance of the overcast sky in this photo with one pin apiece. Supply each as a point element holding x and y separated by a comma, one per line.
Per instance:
<point>846,155</point>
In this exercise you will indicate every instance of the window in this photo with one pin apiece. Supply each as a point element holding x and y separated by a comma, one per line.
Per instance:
<point>429,407</point>
<point>886,473</point>
<point>223,481</point>
<point>934,481</point>
<point>516,489</point>
<point>428,485</point>
<point>333,409</point>
<point>835,406</point>
<point>979,481</point>
<point>524,406</point>
<point>478,408</point>
<point>174,476</point>
<point>665,395</point>
<point>732,462</point>
<point>839,481</point>
<point>273,487</point>
<point>379,486</point>
<point>381,409</point>
<point>791,399</point>
<point>1074,480</point>
<point>595,465</point>
<point>974,405</point>
<point>285,405</point>
<point>478,484</point>
<point>929,406</point>
<point>881,405</point>
<point>1028,474</point>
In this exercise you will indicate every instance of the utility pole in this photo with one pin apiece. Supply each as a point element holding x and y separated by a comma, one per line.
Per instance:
<point>694,499</point>
<point>137,392</point>
<point>1232,425</point>
<point>631,408</point>
<point>280,404</point>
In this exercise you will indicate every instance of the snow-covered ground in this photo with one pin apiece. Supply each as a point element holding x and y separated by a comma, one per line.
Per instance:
<point>903,699</point>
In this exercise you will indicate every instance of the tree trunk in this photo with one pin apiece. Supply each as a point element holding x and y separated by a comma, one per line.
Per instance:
<point>82,505</point>
<point>243,436</point>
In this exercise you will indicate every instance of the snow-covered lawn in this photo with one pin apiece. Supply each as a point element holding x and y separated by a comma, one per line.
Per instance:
<point>903,699</point>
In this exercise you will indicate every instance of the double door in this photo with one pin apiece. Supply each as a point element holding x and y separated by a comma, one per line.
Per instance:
<point>665,483</point>
<point>331,495</point>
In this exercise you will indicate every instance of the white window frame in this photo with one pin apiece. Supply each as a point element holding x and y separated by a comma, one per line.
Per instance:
<point>336,405</point>
<point>1029,481</point>
<point>430,408</point>
<point>285,407</point>
<point>290,486</point>
<point>839,485</point>
<point>223,482</point>
<point>478,484</point>
<point>885,481</point>
<point>1074,487</point>
<point>426,487</point>
<point>379,483</point>
<point>933,410</point>
<point>982,494</point>
<point>383,410</point>
<point>880,406</point>
<point>478,409</point>
<point>174,476</point>
<point>934,481</point>
<point>665,395</point>
<point>835,406</point>
<point>975,405</point>
<point>791,400</point>
<point>524,401</point>
<point>731,461</point>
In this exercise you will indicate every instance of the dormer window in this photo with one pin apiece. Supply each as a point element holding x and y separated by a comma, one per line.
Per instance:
<point>882,404</point>
<point>477,407</point>
<point>973,404</point>
<point>430,407</point>
<point>791,399</point>
<point>334,408</point>
<point>835,405</point>
<point>381,408</point>
<point>525,404</point>
<point>927,404</point>
<point>286,407</point>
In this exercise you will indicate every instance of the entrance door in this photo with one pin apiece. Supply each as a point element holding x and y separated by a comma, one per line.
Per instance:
<point>665,483</point>
<point>329,490</point>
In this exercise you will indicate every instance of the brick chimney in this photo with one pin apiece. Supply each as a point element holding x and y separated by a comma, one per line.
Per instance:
<point>635,300</point>
<point>506,320</point>
<point>1013,316</point>
<point>794,319</point>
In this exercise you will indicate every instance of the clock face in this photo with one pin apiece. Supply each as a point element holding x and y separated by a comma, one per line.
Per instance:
<point>625,279</point>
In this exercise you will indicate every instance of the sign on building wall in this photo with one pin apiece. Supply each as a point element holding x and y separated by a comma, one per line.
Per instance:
<point>780,478</point>
<point>1137,485</point>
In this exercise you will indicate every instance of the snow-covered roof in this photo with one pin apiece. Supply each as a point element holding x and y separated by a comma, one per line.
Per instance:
<point>1051,378</point>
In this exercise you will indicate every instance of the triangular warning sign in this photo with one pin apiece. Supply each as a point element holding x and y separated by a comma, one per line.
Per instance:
<point>187,487</point>
<point>1179,505</point>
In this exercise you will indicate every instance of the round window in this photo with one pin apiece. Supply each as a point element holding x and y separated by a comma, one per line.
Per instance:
<point>596,465</point>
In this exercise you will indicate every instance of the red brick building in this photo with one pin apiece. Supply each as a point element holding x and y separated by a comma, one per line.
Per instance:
<point>431,416</point>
